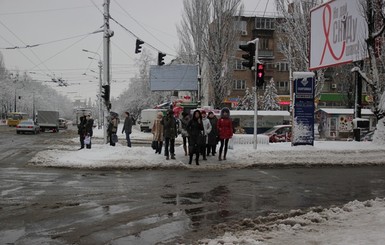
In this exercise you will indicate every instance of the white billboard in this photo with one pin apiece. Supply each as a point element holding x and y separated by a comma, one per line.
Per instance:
<point>174,78</point>
<point>338,33</point>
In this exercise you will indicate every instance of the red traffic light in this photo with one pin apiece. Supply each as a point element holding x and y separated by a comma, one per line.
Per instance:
<point>260,74</point>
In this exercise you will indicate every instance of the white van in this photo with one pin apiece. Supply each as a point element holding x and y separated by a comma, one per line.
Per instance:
<point>147,117</point>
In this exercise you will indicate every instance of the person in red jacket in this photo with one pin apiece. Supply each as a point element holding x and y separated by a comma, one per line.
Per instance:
<point>225,132</point>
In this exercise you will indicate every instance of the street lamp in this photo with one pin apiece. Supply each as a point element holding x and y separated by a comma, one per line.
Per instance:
<point>100,65</point>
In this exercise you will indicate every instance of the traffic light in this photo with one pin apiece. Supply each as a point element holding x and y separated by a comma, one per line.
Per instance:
<point>138,46</point>
<point>249,48</point>
<point>260,74</point>
<point>106,93</point>
<point>160,58</point>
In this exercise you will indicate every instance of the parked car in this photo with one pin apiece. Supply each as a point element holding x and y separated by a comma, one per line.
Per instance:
<point>63,123</point>
<point>28,126</point>
<point>279,133</point>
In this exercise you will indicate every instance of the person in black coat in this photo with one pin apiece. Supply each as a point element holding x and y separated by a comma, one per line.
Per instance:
<point>170,133</point>
<point>88,129</point>
<point>195,132</point>
<point>81,131</point>
<point>127,128</point>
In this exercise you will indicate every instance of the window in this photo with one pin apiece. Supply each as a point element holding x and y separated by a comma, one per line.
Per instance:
<point>239,85</point>
<point>283,66</point>
<point>243,28</point>
<point>264,23</point>
<point>238,65</point>
<point>263,44</point>
<point>283,86</point>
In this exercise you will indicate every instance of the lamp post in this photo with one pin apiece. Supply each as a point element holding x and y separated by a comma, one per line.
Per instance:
<point>100,104</point>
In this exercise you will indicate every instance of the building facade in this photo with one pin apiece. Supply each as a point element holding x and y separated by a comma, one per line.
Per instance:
<point>276,66</point>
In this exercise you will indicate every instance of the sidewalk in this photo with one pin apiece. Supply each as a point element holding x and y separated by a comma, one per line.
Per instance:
<point>141,156</point>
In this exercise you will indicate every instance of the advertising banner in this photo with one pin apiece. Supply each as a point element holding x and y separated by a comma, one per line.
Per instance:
<point>303,115</point>
<point>337,33</point>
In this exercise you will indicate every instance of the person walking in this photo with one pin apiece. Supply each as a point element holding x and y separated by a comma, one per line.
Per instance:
<point>127,127</point>
<point>212,139</point>
<point>195,139</point>
<point>157,131</point>
<point>184,122</point>
<point>112,129</point>
<point>206,130</point>
<point>225,132</point>
<point>81,131</point>
<point>88,130</point>
<point>170,133</point>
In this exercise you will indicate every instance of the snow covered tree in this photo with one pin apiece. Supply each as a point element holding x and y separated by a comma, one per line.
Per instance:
<point>208,36</point>
<point>138,95</point>
<point>271,101</point>
<point>247,102</point>
<point>295,29</point>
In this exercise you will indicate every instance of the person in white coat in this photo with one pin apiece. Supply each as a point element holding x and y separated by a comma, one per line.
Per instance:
<point>206,130</point>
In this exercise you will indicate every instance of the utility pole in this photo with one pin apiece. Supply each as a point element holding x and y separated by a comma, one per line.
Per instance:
<point>106,64</point>
<point>256,42</point>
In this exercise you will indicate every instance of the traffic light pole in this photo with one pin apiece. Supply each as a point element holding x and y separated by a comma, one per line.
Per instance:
<point>106,64</point>
<point>256,42</point>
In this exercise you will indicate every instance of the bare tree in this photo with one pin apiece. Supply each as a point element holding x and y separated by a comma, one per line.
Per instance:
<point>295,27</point>
<point>208,31</point>
<point>375,17</point>
<point>138,95</point>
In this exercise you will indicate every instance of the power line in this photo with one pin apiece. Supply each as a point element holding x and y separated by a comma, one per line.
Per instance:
<point>44,10</point>
<point>125,11</point>
<point>49,42</point>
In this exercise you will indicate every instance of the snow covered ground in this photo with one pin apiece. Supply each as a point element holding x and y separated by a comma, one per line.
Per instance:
<point>354,223</point>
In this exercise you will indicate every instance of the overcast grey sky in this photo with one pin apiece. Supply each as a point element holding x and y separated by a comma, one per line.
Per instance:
<point>46,22</point>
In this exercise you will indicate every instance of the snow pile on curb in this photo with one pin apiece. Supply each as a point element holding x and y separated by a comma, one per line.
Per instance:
<point>354,223</point>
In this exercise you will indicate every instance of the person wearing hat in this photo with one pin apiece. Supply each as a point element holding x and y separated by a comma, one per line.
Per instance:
<point>157,132</point>
<point>212,139</point>
<point>206,130</point>
<point>170,133</point>
<point>225,131</point>
<point>195,139</point>
<point>112,129</point>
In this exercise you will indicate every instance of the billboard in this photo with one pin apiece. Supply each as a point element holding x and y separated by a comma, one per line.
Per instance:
<point>174,78</point>
<point>303,123</point>
<point>337,33</point>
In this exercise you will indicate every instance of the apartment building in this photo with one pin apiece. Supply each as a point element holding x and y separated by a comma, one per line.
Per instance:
<point>276,66</point>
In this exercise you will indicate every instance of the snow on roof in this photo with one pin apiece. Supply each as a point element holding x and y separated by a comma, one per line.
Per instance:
<point>345,111</point>
<point>260,113</point>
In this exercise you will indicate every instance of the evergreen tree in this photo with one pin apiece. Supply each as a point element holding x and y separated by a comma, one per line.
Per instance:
<point>247,102</point>
<point>271,101</point>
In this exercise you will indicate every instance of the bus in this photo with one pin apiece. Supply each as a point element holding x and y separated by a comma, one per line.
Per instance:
<point>14,118</point>
<point>244,120</point>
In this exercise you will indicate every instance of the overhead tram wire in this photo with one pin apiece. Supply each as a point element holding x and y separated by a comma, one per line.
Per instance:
<point>66,48</point>
<point>125,11</point>
<point>49,42</point>
<point>45,10</point>
<point>126,29</point>
<point>29,59</point>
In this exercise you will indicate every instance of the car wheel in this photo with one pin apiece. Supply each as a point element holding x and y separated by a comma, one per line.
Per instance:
<point>18,132</point>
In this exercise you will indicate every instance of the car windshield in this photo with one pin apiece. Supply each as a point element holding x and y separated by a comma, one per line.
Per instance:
<point>270,130</point>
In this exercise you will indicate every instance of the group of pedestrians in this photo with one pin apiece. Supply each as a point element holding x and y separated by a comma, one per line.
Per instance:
<point>85,131</point>
<point>200,134</point>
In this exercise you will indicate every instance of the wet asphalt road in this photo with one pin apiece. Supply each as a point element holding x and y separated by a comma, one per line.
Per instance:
<point>71,206</point>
